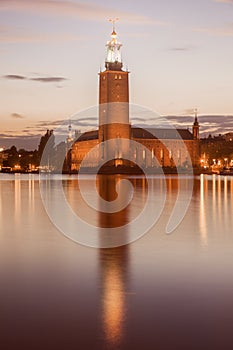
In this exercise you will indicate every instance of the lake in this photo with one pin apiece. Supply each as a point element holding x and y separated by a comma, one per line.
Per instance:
<point>161,291</point>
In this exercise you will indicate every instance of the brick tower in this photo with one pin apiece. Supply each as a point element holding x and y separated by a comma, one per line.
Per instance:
<point>114,101</point>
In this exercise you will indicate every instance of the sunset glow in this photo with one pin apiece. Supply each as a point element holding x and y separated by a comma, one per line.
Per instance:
<point>179,54</point>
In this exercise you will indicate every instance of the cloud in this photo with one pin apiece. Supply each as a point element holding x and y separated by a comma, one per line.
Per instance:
<point>29,137</point>
<point>138,119</point>
<point>82,10</point>
<point>226,30</point>
<point>185,48</point>
<point>45,124</point>
<point>180,119</point>
<point>224,1</point>
<point>29,142</point>
<point>16,37</point>
<point>50,79</point>
<point>189,111</point>
<point>3,29</point>
<point>63,124</point>
<point>17,116</point>
<point>214,124</point>
<point>14,77</point>
<point>11,34</point>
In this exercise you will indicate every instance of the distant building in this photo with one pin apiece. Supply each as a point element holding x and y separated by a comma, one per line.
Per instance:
<point>165,145</point>
<point>2,157</point>
<point>217,151</point>
<point>228,137</point>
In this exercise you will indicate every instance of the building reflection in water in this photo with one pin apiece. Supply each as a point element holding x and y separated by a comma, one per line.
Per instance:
<point>203,228</point>
<point>219,200</point>
<point>227,207</point>
<point>31,193</point>
<point>17,185</point>
<point>114,270</point>
<point>215,202</point>
<point>114,267</point>
<point>1,201</point>
<point>24,199</point>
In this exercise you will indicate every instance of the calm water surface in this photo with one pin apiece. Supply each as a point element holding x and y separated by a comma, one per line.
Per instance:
<point>160,292</point>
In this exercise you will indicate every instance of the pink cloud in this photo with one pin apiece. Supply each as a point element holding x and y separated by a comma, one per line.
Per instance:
<point>82,10</point>
<point>225,1</point>
<point>217,31</point>
<point>12,35</point>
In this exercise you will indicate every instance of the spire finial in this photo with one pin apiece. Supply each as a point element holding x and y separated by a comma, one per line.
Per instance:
<point>195,111</point>
<point>195,119</point>
<point>113,21</point>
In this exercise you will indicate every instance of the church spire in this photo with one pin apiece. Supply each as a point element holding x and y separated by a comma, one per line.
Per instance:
<point>195,126</point>
<point>70,133</point>
<point>195,120</point>
<point>113,55</point>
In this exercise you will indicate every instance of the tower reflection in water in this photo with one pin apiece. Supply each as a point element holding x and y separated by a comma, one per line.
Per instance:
<point>114,266</point>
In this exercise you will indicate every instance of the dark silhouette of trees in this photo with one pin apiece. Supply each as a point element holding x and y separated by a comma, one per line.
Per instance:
<point>24,161</point>
<point>46,150</point>
<point>20,159</point>
<point>12,157</point>
<point>217,148</point>
<point>43,141</point>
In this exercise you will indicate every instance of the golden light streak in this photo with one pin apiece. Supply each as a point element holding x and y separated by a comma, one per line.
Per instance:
<point>113,304</point>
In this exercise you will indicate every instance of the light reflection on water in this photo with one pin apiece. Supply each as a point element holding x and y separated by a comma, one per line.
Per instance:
<point>114,269</point>
<point>124,297</point>
<point>17,199</point>
<point>203,227</point>
<point>114,265</point>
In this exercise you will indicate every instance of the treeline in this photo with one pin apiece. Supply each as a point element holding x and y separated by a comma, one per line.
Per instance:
<point>217,148</point>
<point>51,157</point>
<point>20,159</point>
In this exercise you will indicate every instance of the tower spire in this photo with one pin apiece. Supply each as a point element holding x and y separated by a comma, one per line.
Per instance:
<point>70,133</point>
<point>113,20</point>
<point>195,111</point>
<point>113,55</point>
<point>195,126</point>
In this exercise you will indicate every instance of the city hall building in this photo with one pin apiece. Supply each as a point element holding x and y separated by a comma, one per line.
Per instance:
<point>167,147</point>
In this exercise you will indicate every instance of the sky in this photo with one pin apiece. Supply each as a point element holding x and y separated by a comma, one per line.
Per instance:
<point>179,54</point>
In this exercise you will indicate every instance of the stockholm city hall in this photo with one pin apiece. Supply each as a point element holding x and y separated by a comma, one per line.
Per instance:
<point>112,142</point>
